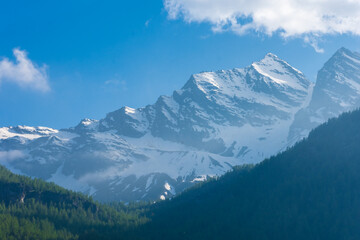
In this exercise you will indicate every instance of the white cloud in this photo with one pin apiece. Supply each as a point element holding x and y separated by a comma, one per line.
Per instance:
<point>99,176</point>
<point>115,84</point>
<point>8,156</point>
<point>314,43</point>
<point>24,72</point>
<point>290,18</point>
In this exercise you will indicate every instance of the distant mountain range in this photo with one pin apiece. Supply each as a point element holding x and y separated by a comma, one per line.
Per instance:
<point>216,121</point>
<point>309,191</point>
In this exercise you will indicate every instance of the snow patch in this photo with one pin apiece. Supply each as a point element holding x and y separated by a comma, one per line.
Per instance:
<point>149,181</point>
<point>201,178</point>
<point>129,110</point>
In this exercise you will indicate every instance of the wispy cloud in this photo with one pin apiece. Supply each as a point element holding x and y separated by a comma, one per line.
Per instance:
<point>308,19</point>
<point>24,72</point>
<point>9,156</point>
<point>101,175</point>
<point>116,84</point>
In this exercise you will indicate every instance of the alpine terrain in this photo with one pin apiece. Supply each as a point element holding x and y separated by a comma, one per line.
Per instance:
<point>337,90</point>
<point>216,121</point>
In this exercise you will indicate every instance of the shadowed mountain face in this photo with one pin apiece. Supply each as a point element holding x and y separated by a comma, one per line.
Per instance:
<point>216,121</point>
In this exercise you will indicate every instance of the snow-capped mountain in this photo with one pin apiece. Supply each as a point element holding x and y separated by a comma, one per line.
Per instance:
<point>337,90</point>
<point>217,120</point>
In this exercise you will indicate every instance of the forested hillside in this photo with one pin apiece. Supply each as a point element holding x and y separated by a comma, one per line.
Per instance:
<point>311,191</point>
<point>34,209</point>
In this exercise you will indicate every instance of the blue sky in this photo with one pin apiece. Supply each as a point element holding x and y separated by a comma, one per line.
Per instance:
<point>101,55</point>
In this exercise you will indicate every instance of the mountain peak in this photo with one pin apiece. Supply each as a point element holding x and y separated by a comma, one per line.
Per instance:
<point>270,72</point>
<point>337,90</point>
<point>271,55</point>
<point>342,51</point>
<point>88,121</point>
<point>343,58</point>
<point>280,72</point>
<point>89,124</point>
<point>273,61</point>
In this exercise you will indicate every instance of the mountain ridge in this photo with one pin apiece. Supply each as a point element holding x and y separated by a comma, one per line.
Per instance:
<point>337,90</point>
<point>217,120</point>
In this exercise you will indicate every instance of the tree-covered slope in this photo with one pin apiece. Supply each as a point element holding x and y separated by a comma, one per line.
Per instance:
<point>311,191</point>
<point>34,209</point>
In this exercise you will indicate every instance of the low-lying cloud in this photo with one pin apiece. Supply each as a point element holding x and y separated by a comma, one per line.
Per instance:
<point>308,19</point>
<point>9,156</point>
<point>24,72</point>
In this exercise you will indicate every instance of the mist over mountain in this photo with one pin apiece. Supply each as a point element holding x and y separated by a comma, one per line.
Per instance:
<point>218,120</point>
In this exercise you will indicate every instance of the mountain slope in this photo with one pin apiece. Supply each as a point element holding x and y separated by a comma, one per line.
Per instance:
<point>311,191</point>
<point>216,121</point>
<point>337,90</point>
